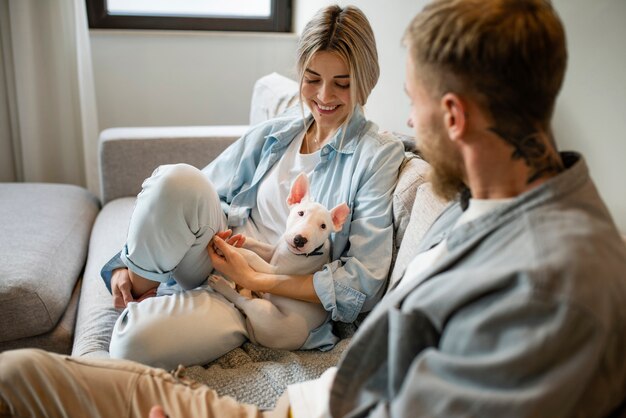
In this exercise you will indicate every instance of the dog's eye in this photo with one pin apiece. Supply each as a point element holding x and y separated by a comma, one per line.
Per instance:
<point>323,226</point>
<point>301,213</point>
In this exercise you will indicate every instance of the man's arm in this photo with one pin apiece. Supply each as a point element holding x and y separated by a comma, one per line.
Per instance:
<point>519,355</point>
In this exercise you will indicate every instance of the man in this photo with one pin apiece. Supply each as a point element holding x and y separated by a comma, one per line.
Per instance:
<point>514,307</point>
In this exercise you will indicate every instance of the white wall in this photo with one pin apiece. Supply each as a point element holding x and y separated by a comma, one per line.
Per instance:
<point>158,78</point>
<point>591,112</point>
<point>173,78</point>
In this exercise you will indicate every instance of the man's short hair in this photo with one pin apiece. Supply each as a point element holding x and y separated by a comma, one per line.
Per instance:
<point>509,54</point>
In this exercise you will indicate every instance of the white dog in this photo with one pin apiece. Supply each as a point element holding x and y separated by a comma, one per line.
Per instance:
<point>275,321</point>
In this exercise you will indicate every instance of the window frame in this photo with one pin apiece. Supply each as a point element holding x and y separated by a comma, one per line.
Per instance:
<point>278,21</point>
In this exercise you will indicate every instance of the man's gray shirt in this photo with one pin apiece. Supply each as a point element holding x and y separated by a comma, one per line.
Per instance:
<point>525,316</point>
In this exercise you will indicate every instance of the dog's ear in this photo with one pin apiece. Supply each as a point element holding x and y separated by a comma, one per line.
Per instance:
<point>339,214</point>
<point>299,190</point>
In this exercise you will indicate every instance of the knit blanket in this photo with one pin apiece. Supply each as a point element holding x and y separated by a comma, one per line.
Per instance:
<point>258,375</point>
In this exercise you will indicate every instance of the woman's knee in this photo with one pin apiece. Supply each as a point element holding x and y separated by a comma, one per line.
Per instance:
<point>176,182</point>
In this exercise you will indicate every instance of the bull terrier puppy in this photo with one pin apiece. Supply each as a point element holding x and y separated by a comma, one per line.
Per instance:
<point>275,321</point>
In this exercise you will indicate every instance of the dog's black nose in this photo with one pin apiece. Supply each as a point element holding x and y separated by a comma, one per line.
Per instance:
<point>299,241</point>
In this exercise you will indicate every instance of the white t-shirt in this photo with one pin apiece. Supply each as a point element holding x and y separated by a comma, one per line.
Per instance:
<point>268,217</point>
<point>310,399</point>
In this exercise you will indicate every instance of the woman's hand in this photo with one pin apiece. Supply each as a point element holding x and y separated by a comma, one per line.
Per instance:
<point>234,266</point>
<point>231,264</point>
<point>237,240</point>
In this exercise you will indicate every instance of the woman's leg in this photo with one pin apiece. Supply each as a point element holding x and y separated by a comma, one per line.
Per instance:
<point>34,383</point>
<point>190,327</point>
<point>177,213</point>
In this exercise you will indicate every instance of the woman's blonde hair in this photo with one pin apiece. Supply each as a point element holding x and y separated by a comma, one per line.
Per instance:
<point>347,33</point>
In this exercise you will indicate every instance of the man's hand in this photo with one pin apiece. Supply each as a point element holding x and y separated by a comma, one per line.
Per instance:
<point>121,289</point>
<point>157,412</point>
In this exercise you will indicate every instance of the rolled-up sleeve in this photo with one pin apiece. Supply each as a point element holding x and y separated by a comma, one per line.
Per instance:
<point>355,281</point>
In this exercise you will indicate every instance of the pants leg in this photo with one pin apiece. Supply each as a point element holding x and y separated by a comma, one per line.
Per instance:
<point>34,383</point>
<point>190,327</point>
<point>177,213</point>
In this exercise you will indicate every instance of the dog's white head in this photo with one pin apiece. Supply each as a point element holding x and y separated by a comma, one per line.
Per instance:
<point>309,223</point>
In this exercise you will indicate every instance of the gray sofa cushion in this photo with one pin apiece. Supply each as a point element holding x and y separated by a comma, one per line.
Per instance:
<point>130,155</point>
<point>271,96</point>
<point>411,222</point>
<point>45,232</point>
<point>412,174</point>
<point>425,210</point>
<point>60,338</point>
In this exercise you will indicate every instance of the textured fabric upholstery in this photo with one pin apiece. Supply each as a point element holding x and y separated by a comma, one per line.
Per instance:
<point>412,175</point>
<point>425,210</point>
<point>272,95</point>
<point>96,315</point>
<point>130,155</point>
<point>59,339</point>
<point>45,232</point>
<point>415,207</point>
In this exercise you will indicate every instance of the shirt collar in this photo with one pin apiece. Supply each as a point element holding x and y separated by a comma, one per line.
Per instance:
<point>341,143</point>
<point>575,175</point>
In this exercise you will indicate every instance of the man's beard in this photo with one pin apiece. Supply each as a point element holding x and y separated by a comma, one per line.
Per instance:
<point>446,173</point>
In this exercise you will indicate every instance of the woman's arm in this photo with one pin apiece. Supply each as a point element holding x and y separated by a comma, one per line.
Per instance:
<point>362,252</point>
<point>234,266</point>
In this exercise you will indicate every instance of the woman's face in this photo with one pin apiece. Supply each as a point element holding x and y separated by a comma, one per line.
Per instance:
<point>326,90</point>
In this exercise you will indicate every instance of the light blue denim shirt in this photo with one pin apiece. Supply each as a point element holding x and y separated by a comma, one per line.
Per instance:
<point>359,168</point>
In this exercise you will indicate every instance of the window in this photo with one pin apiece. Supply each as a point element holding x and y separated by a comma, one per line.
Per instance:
<point>218,15</point>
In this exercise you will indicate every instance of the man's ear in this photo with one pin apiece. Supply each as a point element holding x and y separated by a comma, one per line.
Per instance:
<point>299,190</point>
<point>455,116</point>
<point>339,214</point>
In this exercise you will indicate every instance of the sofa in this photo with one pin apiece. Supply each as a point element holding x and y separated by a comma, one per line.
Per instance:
<point>251,374</point>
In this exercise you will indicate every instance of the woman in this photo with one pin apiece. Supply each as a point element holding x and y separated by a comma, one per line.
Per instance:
<point>181,208</point>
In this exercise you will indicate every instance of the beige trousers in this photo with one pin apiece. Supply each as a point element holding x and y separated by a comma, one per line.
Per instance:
<point>34,383</point>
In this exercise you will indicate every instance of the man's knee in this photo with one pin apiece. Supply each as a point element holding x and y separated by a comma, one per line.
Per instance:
<point>19,363</point>
<point>19,370</point>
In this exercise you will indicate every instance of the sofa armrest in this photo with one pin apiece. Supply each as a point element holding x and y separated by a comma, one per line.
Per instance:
<point>129,155</point>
